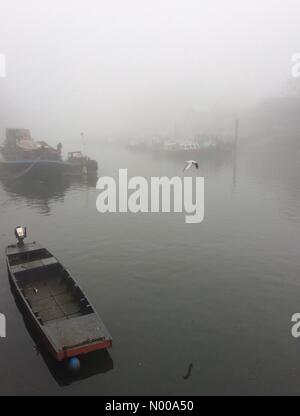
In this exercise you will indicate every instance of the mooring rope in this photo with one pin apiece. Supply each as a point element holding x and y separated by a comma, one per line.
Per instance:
<point>20,175</point>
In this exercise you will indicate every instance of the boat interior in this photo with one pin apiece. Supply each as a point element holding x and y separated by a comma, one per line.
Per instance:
<point>48,288</point>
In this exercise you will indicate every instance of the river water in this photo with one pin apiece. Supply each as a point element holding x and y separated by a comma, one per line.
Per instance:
<point>193,309</point>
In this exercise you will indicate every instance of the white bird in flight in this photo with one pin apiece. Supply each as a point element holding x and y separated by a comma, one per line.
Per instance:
<point>189,164</point>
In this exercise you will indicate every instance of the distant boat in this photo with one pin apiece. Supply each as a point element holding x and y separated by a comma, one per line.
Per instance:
<point>207,149</point>
<point>21,156</point>
<point>211,148</point>
<point>79,165</point>
<point>53,302</point>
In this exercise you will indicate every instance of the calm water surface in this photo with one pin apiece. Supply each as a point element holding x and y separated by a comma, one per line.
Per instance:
<point>193,309</point>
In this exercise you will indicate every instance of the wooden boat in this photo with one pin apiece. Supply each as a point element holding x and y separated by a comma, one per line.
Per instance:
<point>54,302</point>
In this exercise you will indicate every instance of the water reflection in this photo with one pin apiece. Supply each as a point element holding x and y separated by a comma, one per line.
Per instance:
<point>278,171</point>
<point>93,364</point>
<point>42,195</point>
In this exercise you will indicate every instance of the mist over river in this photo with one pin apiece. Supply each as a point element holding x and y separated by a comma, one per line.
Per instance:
<point>193,309</point>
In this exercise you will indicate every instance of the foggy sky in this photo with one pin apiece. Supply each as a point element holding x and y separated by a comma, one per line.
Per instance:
<point>121,67</point>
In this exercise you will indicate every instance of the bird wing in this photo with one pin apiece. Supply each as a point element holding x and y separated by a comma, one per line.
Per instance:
<point>187,166</point>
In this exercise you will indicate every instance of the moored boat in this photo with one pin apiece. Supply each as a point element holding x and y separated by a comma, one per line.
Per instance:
<point>21,156</point>
<point>79,165</point>
<point>210,148</point>
<point>53,301</point>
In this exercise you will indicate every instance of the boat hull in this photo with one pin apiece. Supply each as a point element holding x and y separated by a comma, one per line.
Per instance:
<point>82,168</point>
<point>34,169</point>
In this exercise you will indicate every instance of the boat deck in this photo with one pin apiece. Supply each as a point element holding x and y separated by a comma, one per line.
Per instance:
<point>74,333</point>
<point>67,320</point>
<point>50,299</point>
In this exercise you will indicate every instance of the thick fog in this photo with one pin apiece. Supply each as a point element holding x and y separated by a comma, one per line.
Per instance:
<point>123,68</point>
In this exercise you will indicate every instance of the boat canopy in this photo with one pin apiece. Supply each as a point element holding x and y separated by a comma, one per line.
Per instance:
<point>21,138</point>
<point>13,136</point>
